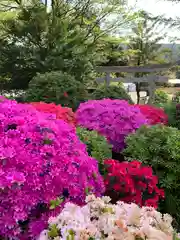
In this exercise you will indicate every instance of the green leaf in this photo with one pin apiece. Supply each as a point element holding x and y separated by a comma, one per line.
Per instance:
<point>53,231</point>
<point>87,190</point>
<point>86,21</point>
<point>47,141</point>
<point>55,203</point>
<point>71,235</point>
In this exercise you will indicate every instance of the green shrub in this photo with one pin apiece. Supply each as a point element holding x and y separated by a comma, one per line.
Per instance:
<point>176,97</point>
<point>58,87</point>
<point>159,147</point>
<point>160,97</point>
<point>97,145</point>
<point>170,110</point>
<point>113,92</point>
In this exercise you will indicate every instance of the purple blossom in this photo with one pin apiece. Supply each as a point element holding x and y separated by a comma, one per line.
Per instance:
<point>37,156</point>
<point>114,119</point>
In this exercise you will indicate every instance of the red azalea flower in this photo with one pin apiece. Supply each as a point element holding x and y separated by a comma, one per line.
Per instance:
<point>136,164</point>
<point>60,112</point>
<point>153,114</point>
<point>132,182</point>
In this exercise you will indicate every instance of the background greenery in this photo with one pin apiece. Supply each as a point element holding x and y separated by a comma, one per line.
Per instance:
<point>73,37</point>
<point>113,92</point>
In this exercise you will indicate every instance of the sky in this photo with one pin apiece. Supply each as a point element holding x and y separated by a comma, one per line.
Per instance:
<point>160,7</point>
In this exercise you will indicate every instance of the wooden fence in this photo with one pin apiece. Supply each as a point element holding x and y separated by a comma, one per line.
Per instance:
<point>151,78</point>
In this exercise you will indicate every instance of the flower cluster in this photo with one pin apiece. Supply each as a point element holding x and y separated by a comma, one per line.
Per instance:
<point>99,219</point>
<point>63,113</point>
<point>43,165</point>
<point>114,119</point>
<point>153,114</point>
<point>132,182</point>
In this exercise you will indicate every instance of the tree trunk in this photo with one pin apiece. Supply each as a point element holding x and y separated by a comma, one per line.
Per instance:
<point>46,2</point>
<point>138,89</point>
<point>138,85</point>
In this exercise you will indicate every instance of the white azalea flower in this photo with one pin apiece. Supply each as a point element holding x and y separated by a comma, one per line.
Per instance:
<point>101,220</point>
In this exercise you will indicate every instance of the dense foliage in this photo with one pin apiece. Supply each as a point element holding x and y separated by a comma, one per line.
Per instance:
<point>63,113</point>
<point>57,87</point>
<point>159,146</point>
<point>114,119</point>
<point>50,41</point>
<point>99,219</point>
<point>160,97</point>
<point>112,92</point>
<point>97,146</point>
<point>153,114</point>
<point>171,109</point>
<point>43,165</point>
<point>42,36</point>
<point>132,182</point>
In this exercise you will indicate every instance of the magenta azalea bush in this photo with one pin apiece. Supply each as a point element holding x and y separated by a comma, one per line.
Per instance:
<point>43,165</point>
<point>114,119</point>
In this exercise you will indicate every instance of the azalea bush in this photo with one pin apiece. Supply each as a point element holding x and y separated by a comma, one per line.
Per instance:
<point>159,147</point>
<point>99,219</point>
<point>63,113</point>
<point>132,182</point>
<point>114,119</point>
<point>97,146</point>
<point>153,114</point>
<point>58,87</point>
<point>43,165</point>
<point>112,92</point>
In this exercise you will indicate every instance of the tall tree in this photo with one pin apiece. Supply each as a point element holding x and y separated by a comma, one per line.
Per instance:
<point>145,44</point>
<point>114,54</point>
